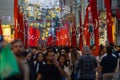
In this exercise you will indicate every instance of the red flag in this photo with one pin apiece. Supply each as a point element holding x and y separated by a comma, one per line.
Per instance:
<point>109,20</point>
<point>50,40</point>
<point>66,34</point>
<point>37,37</point>
<point>86,32</point>
<point>21,29</point>
<point>81,39</point>
<point>0,28</point>
<point>16,11</point>
<point>61,36</point>
<point>93,5</point>
<point>32,36</point>
<point>73,42</point>
<point>26,33</point>
<point>57,37</point>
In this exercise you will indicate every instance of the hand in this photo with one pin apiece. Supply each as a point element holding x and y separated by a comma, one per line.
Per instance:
<point>56,63</point>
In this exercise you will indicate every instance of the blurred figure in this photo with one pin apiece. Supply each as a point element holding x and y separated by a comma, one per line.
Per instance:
<point>34,53</point>
<point>116,75</point>
<point>87,65</point>
<point>63,63</point>
<point>52,69</point>
<point>101,54</point>
<point>93,49</point>
<point>31,66</point>
<point>73,60</point>
<point>40,62</point>
<point>108,64</point>
<point>118,52</point>
<point>9,69</point>
<point>18,50</point>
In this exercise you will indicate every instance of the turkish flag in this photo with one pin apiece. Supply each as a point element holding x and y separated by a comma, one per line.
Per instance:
<point>50,40</point>
<point>32,36</point>
<point>37,37</point>
<point>93,5</point>
<point>0,28</point>
<point>109,20</point>
<point>66,34</point>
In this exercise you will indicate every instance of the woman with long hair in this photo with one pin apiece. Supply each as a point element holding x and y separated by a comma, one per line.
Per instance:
<point>63,63</point>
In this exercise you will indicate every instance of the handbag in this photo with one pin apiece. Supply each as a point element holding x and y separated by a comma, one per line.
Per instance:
<point>8,63</point>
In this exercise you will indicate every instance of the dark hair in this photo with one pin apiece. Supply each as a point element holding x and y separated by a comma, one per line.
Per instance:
<point>109,49</point>
<point>49,51</point>
<point>38,55</point>
<point>34,48</point>
<point>73,56</point>
<point>62,55</point>
<point>91,47</point>
<point>101,49</point>
<point>15,41</point>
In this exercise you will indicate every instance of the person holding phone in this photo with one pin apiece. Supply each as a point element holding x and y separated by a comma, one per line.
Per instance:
<point>52,69</point>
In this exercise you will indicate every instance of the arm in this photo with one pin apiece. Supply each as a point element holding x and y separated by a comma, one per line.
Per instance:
<point>39,76</point>
<point>62,72</point>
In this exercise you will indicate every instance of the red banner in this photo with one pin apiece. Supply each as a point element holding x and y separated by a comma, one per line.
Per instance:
<point>109,20</point>
<point>73,42</point>
<point>93,5</point>
<point>86,29</point>
<point>21,27</point>
<point>57,37</point>
<point>34,36</point>
<point>16,11</point>
<point>0,28</point>
<point>49,40</point>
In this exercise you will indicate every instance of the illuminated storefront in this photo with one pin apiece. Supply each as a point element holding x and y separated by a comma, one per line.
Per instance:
<point>8,33</point>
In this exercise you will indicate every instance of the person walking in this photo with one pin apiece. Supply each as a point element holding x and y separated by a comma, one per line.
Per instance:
<point>52,69</point>
<point>108,64</point>
<point>87,65</point>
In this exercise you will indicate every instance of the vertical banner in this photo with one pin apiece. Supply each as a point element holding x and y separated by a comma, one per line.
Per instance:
<point>93,5</point>
<point>21,25</point>
<point>37,37</point>
<point>81,40</point>
<point>66,34</point>
<point>26,33</point>
<point>109,20</point>
<point>32,36</point>
<point>86,25</point>
<point>50,40</point>
<point>0,28</point>
<point>16,11</point>
<point>73,41</point>
<point>81,33</point>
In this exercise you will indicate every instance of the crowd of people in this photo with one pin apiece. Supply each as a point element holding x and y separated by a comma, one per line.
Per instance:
<point>64,63</point>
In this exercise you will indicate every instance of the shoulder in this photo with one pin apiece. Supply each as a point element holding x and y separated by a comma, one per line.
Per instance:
<point>114,55</point>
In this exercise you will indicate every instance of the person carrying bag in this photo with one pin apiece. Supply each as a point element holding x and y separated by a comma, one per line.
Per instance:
<point>8,63</point>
